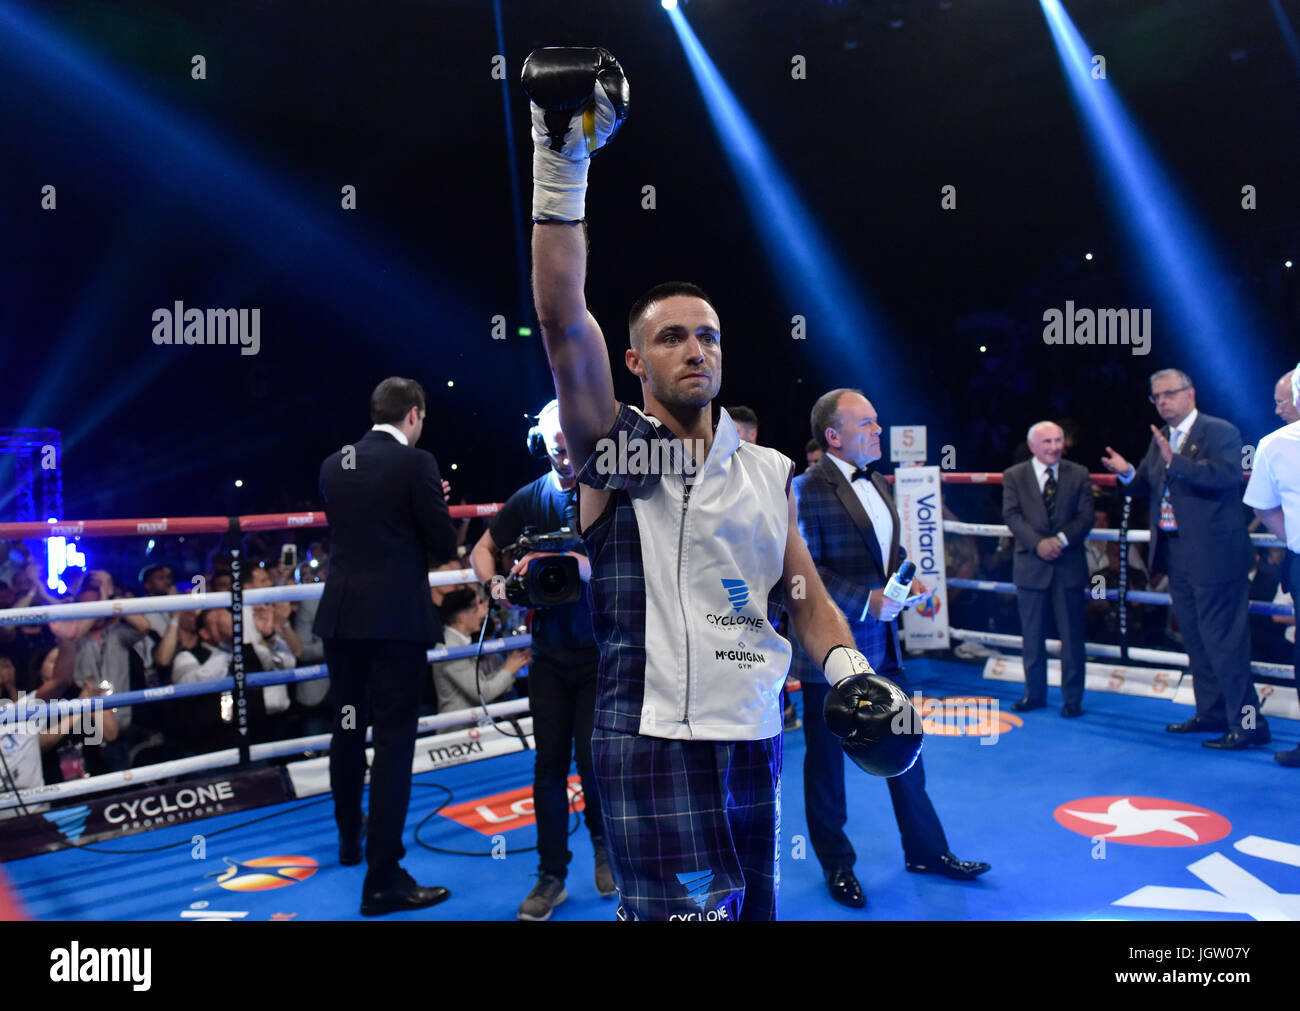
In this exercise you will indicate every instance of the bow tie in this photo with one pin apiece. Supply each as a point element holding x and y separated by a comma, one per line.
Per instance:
<point>863,472</point>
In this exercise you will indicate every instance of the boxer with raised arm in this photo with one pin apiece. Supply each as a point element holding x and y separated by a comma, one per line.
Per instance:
<point>689,530</point>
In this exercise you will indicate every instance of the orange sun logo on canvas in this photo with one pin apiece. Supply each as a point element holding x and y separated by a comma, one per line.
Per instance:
<point>264,873</point>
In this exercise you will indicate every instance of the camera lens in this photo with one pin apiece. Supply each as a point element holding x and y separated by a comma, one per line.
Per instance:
<point>551,580</point>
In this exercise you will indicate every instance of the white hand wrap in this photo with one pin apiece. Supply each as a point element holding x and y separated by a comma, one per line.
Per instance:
<point>843,662</point>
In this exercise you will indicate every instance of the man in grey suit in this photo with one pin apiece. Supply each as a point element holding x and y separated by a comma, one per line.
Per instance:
<point>1047,503</point>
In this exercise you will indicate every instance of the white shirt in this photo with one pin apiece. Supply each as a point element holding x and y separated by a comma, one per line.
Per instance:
<point>881,521</point>
<point>1275,479</point>
<point>1282,597</point>
<point>22,753</point>
<point>394,432</point>
<point>187,669</point>
<point>1041,469</point>
<point>1177,435</point>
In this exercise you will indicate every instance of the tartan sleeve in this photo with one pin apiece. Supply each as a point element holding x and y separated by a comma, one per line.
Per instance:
<point>629,456</point>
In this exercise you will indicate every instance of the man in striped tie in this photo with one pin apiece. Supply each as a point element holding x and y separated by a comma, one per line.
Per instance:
<point>1047,503</point>
<point>1192,475</point>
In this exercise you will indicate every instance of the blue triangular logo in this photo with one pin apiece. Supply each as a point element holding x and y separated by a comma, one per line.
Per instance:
<point>70,821</point>
<point>737,592</point>
<point>697,885</point>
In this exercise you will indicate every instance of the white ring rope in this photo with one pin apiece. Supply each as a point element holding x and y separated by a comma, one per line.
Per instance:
<point>230,756</point>
<point>1160,657</point>
<point>191,601</point>
<point>1104,534</point>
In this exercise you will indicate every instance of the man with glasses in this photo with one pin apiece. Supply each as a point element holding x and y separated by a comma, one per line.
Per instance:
<point>1283,406</point>
<point>1192,475</point>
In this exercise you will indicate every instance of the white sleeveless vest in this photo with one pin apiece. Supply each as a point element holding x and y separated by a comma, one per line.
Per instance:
<point>712,552</point>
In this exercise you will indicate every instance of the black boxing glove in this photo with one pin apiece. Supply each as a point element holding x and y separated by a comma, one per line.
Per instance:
<point>874,719</point>
<point>579,99</point>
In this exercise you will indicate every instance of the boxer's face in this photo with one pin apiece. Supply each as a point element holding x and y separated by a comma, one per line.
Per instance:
<point>680,360</point>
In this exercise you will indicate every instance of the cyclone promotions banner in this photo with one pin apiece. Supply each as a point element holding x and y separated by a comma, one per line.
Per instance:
<point>920,513</point>
<point>115,815</point>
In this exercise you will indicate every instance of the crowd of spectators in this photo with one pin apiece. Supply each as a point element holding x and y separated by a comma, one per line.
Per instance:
<point>90,657</point>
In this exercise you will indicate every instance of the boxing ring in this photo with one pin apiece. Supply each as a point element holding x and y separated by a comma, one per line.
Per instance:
<point>247,833</point>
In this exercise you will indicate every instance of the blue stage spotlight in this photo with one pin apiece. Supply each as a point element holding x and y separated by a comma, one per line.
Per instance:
<point>1207,327</point>
<point>838,318</point>
<point>209,177</point>
<point>668,5</point>
<point>1287,33</point>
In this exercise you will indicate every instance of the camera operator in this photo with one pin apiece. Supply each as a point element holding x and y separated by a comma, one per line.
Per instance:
<point>562,678</point>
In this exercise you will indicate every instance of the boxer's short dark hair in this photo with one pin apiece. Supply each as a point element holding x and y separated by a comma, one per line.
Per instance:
<point>394,398</point>
<point>657,294</point>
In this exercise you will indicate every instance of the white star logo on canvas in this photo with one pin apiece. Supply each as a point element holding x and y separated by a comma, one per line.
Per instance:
<point>1134,821</point>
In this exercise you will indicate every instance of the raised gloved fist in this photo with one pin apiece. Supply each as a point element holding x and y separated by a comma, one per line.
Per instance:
<point>579,99</point>
<point>874,719</point>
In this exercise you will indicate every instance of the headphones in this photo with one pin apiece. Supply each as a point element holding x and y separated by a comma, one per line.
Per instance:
<point>536,441</point>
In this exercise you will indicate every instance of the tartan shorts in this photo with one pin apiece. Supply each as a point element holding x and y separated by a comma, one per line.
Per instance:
<point>693,828</point>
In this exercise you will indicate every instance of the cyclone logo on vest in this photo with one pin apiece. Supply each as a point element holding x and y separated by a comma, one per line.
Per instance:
<point>737,593</point>
<point>1142,821</point>
<point>261,874</point>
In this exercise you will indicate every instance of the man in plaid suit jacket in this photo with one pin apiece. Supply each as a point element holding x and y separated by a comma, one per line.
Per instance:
<point>848,520</point>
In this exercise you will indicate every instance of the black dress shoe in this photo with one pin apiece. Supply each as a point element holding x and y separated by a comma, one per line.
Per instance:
<point>1071,710</point>
<point>1239,740</point>
<point>1288,758</point>
<point>950,867</point>
<point>352,851</point>
<point>1025,704</point>
<point>1197,725</point>
<point>845,888</point>
<point>404,896</point>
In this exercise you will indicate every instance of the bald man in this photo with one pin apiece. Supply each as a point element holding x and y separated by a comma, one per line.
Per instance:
<point>1283,404</point>
<point>1047,503</point>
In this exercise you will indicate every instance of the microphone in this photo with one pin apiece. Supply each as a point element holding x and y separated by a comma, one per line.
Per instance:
<point>900,582</point>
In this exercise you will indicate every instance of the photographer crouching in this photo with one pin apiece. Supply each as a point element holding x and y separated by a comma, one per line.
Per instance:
<point>562,679</point>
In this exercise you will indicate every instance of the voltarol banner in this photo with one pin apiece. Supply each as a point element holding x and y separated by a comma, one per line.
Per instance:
<point>920,513</point>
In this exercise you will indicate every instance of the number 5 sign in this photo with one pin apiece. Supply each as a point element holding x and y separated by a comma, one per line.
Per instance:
<point>907,444</point>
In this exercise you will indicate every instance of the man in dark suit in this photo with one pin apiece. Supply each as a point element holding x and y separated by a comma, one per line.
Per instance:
<point>848,520</point>
<point>389,525</point>
<point>1192,475</point>
<point>1047,503</point>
